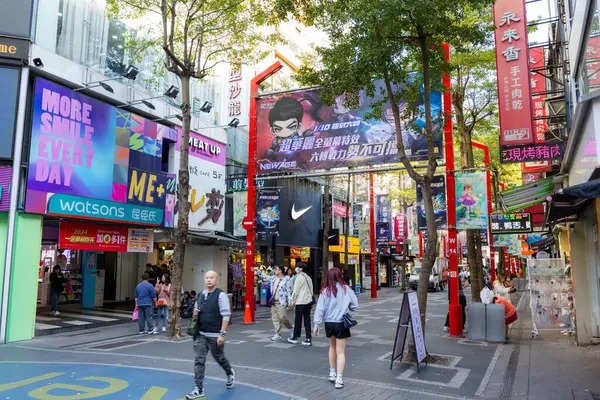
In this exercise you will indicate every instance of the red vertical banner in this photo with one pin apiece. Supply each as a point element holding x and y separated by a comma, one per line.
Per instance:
<point>512,64</point>
<point>538,90</point>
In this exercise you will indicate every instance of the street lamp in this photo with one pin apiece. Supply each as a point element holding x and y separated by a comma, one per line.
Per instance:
<point>486,161</point>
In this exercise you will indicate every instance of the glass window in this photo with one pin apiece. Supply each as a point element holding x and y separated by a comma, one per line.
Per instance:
<point>589,70</point>
<point>9,87</point>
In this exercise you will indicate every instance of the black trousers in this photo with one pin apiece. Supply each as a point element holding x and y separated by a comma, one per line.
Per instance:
<point>302,311</point>
<point>463,304</point>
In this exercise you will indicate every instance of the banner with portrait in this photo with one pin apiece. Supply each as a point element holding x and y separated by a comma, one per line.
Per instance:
<point>268,214</point>
<point>438,189</point>
<point>384,208</point>
<point>471,200</point>
<point>297,132</point>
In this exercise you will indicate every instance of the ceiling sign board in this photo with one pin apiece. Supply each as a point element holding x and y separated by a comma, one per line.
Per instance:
<point>511,223</point>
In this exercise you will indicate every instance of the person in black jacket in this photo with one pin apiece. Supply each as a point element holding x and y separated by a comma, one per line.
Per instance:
<point>57,285</point>
<point>187,306</point>
<point>213,312</point>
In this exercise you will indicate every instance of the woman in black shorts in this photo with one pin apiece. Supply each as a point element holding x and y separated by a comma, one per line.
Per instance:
<point>335,301</point>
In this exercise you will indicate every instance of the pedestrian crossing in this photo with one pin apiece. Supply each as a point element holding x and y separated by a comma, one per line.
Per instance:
<point>74,319</point>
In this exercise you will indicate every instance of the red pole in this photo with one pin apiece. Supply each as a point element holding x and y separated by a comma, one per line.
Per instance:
<point>372,234</point>
<point>486,161</point>
<point>421,244</point>
<point>454,309</point>
<point>249,222</point>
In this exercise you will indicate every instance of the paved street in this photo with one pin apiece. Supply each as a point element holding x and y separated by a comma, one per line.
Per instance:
<point>116,363</point>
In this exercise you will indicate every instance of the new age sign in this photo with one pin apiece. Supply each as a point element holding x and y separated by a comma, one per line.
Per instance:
<point>72,142</point>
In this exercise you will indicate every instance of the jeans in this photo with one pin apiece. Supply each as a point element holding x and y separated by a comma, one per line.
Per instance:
<point>302,311</point>
<point>164,311</point>
<point>201,346</point>
<point>145,318</point>
<point>55,297</point>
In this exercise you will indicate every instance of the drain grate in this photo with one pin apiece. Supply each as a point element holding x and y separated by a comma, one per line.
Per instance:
<point>116,345</point>
<point>511,370</point>
<point>595,395</point>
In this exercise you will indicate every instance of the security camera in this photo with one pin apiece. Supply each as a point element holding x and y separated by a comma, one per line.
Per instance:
<point>38,62</point>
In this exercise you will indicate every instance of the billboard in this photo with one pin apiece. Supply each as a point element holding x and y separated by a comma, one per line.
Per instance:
<point>538,89</point>
<point>207,182</point>
<point>85,236</point>
<point>384,208</point>
<point>91,160</point>
<point>438,188</point>
<point>471,200</point>
<point>297,132</point>
<point>268,214</point>
<point>530,153</point>
<point>512,65</point>
<point>383,234</point>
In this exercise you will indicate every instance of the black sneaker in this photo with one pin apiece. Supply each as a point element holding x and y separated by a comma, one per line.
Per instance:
<point>307,342</point>
<point>195,394</point>
<point>292,340</point>
<point>230,380</point>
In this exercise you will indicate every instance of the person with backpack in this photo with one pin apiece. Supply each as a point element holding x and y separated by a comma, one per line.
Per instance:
<point>57,286</point>
<point>302,299</point>
<point>336,299</point>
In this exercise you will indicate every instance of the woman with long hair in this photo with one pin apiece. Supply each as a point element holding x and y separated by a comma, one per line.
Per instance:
<point>335,301</point>
<point>163,291</point>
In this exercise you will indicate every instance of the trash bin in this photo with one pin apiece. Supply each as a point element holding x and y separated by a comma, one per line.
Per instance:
<point>477,321</point>
<point>495,323</point>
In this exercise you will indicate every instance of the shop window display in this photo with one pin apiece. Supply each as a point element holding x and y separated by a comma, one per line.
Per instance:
<point>70,265</point>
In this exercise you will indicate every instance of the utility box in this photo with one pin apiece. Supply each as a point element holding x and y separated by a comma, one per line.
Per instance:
<point>486,322</point>
<point>477,321</point>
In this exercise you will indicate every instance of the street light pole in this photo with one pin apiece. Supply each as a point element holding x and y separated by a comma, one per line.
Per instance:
<point>454,309</point>
<point>249,222</point>
<point>486,161</point>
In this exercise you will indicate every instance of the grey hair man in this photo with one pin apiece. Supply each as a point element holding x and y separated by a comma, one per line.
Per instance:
<point>213,312</point>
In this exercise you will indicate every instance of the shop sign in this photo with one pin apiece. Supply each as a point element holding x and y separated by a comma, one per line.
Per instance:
<point>511,223</point>
<point>533,152</point>
<point>140,241</point>
<point>537,166</point>
<point>353,245</point>
<point>384,208</point>
<point>96,157</point>
<point>5,182</point>
<point>241,184</point>
<point>352,259</point>
<point>300,252</point>
<point>538,89</point>
<point>17,49</point>
<point>383,234</point>
<point>101,210</point>
<point>80,236</point>
<point>512,61</point>
<point>235,90</point>
<point>339,210</point>
<point>438,189</point>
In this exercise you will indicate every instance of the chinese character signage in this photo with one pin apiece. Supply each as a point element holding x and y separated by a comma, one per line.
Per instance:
<point>514,94</point>
<point>400,228</point>
<point>94,161</point>
<point>207,182</point>
<point>538,89</point>
<point>299,252</point>
<point>532,152</point>
<point>384,208</point>
<point>438,188</point>
<point>383,234</point>
<point>268,214</point>
<point>339,210</point>
<point>240,209</point>
<point>471,200</point>
<point>511,223</point>
<point>85,236</point>
<point>241,184</point>
<point>296,132</point>
<point>235,90</point>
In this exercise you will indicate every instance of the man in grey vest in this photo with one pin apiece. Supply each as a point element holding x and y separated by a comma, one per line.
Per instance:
<point>213,311</point>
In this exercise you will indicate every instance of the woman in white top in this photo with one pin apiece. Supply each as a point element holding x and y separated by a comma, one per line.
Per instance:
<point>502,289</point>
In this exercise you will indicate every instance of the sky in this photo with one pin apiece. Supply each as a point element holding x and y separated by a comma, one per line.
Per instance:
<point>540,9</point>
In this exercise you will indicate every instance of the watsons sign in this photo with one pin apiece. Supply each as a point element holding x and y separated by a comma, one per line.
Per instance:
<point>74,206</point>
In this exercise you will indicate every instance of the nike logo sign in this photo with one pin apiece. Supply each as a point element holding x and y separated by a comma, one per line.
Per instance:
<point>299,213</point>
<point>332,236</point>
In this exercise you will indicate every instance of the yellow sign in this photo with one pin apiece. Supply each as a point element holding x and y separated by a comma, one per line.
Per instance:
<point>353,245</point>
<point>352,259</point>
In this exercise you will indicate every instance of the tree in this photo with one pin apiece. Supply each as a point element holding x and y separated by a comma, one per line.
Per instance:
<point>387,40</point>
<point>195,36</point>
<point>474,101</point>
<point>406,196</point>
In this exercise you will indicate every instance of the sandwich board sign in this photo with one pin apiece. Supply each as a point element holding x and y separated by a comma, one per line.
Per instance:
<point>410,317</point>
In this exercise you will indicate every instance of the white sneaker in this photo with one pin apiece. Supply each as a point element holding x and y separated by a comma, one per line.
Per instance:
<point>339,385</point>
<point>446,329</point>
<point>292,340</point>
<point>276,338</point>
<point>332,377</point>
<point>230,380</point>
<point>164,328</point>
<point>153,332</point>
<point>56,313</point>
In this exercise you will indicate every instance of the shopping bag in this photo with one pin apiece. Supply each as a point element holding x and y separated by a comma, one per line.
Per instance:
<point>193,326</point>
<point>136,314</point>
<point>487,296</point>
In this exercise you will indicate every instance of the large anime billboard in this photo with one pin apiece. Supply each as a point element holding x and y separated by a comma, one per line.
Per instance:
<point>297,132</point>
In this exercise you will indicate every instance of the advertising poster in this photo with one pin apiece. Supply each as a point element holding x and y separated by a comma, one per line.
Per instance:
<point>400,228</point>
<point>267,214</point>
<point>300,252</point>
<point>240,209</point>
<point>140,241</point>
<point>438,188</point>
<point>383,234</point>
<point>207,182</point>
<point>531,153</point>
<point>538,89</point>
<point>384,208</point>
<point>471,200</point>
<point>297,132</point>
<point>357,216</point>
<point>364,235</point>
<point>93,161</point>
<point>80,236</point>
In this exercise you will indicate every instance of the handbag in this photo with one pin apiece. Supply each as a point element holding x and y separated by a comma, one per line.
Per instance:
<point>348,321</point>
<point>136,314</point>
<point>272,299</point>
<point>162,302</point>
<point>193,326</point>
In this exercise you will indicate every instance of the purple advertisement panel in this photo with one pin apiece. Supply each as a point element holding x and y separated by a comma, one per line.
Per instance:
<point>72,142</point>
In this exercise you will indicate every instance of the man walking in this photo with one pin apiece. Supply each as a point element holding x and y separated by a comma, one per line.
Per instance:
<point>145,301</point>
<point>281,289</point>
<point>214,312</point>
<point>302,298</point>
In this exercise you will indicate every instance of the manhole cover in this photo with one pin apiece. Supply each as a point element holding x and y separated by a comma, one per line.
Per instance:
<point>118,344</point>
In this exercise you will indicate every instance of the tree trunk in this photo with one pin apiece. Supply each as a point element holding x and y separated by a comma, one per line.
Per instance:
<point>430,250</point>
<point>326,227</point>
<point>405,251</point>
<point>472,261</point>
<point>501,265</point>
<point>347,227</point>
<point>183,212</point>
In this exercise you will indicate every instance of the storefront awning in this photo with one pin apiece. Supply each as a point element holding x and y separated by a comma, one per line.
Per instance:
<point>544,243</point>
<point>214,237</point>
<point>567,202</point>
<point>527,195</point>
